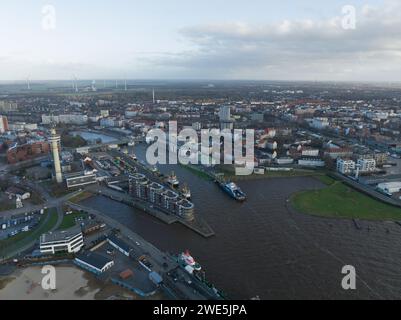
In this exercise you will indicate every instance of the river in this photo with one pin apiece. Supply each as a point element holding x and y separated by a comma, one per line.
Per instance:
<point>263,249</point>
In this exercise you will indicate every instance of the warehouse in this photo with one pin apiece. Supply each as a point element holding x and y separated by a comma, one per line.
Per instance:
<point>119,245</point>
<point>389,188</point>
<point>94,262</point>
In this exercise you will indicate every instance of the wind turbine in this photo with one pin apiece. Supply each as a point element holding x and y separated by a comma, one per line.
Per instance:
<point>76,83</point>
<point>28,84</point>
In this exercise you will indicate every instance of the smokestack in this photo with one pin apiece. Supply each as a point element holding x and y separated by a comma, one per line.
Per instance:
<point>54,141</point>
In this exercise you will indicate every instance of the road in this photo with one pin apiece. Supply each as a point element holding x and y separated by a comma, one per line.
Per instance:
<point>51,203</point>
<point>179,289</point>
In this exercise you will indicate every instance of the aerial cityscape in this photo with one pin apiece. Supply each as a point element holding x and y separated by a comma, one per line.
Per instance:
<point>203,171</point>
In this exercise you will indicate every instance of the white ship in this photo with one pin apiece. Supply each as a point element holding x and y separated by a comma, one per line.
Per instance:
<point>187,260</point>
<point>172,180</point>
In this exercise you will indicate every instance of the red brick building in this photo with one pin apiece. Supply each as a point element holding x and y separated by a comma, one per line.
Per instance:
<point>27,151</point>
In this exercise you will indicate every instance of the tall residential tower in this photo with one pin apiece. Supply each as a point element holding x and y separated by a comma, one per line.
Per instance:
<point>55,141</point>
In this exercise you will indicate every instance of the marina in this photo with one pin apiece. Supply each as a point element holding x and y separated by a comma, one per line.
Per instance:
<point>282,241</point>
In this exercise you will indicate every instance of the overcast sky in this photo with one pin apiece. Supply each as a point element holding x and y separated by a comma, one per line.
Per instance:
<point>200,39</point>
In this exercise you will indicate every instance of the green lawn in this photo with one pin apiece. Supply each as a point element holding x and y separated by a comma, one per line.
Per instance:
<point>340,201</point>
<point>7,204</point>
<point>47,222</point>
<point>197,172</point>
<point>328,181</point>
<point>69,220</point>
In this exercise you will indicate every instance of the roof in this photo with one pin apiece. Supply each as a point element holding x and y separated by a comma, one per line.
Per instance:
<point>155,277</point>
<point>94,259</point>
<point>64,235</point>
<point>119,243</point>
<point>126,274</point>
<point>391,184</point>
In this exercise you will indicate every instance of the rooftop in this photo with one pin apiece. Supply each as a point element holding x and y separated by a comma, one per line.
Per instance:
<point>64,235</point>
<point>94,259</point>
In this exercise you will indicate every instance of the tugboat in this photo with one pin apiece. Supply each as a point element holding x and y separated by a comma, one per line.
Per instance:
<point>172,180</point>
<point>233,191</point>
<point>186,259</point>
<point>186,192</point>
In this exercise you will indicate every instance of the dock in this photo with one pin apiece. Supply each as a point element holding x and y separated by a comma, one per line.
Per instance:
<point>198,225</point>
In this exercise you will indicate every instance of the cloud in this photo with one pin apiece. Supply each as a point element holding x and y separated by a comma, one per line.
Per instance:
<point>293,49</point>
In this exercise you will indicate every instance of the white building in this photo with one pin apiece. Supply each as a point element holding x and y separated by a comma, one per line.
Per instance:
<point>345,166</point>
<point>311,162</point>
<point>3,124</point>
<point>111,122</point>
<point>104,113</point>
<point>120,245</point>
<point>94,262</point>
<point>366,165</point>
<point>225,113</point>
<point>70,241</point>
<point>22,126</point>
<point>319,123</point>
<point>308,152</point>
<point>389,187</point>
<point>77,119</point>
<point>197,126</point>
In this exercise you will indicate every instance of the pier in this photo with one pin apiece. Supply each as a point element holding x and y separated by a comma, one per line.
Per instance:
<point>198,225</point>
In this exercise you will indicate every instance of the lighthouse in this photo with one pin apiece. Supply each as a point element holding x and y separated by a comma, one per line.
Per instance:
<point>54,141</point>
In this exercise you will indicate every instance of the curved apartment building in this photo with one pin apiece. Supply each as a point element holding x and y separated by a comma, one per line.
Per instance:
<point>159,196</point>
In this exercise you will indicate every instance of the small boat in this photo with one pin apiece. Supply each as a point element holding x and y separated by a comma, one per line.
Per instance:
<point>172,180</point>
<point>186,192</point>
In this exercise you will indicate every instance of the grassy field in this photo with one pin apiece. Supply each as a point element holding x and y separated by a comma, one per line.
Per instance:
<point>337,200</point>
<point>274,174</point>
<point>47,222</point>
<point>69,220</point>
<point>6,204</point>
<point>197,172</point>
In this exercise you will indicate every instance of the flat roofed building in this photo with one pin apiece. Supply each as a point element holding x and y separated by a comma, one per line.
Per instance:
<point>389,187</point>
<point>120,245</point>
<point>345,166</point>
<point>366,165</point>
<point>94,262</point>
<point>70,241</point>
<point>81,179</point>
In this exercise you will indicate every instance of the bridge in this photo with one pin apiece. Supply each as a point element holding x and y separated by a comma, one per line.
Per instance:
<point>115,143</point>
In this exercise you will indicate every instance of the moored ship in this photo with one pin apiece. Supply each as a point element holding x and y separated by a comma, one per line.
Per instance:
<point>233,190</point>
<point>172,180</point>
<point>186,192</point>
<point>189,262</point>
